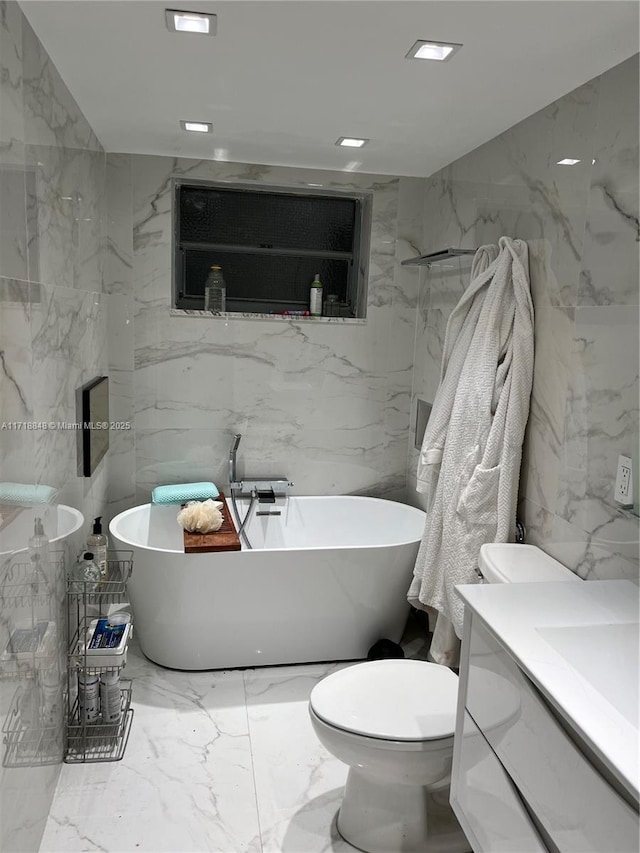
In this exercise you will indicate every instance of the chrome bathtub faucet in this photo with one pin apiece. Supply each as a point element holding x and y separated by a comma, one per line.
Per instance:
<point>264,489</point>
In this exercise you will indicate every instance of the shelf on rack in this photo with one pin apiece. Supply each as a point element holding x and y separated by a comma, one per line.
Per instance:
<point>26,744</point>
<point>94,742</point>
<point>113,588</point>
<point>78,658</point>
<point>436,257</point>
<point>24,584</point>
<point>12,668</point>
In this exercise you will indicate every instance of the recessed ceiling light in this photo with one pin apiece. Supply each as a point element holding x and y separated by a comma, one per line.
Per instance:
<point>350,142</point>
<point>567,162</point>
<point>438,50</point>
<point>197,126</point>
<point>190,22</point>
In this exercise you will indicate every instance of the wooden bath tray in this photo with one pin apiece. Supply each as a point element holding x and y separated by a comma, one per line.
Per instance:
<point>225,539</point>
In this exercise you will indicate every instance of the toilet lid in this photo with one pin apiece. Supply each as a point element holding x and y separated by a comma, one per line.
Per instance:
<point>389,699</point>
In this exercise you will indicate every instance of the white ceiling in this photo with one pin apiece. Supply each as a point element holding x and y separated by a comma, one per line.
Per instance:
<point>283,80</point>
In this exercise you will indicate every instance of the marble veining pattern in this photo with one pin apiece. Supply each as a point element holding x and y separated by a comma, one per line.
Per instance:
<point>325,401</point>
<point>581,226</point>
<point>613,225</point>
<point>85,259</point>
<point>223,761</point>
<point>53,329</point>
<point>119,237</point>
<point>13,239</point>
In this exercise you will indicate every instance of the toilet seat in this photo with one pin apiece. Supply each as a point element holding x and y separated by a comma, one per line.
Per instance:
<point>395,700</point>
<point>379,743</point>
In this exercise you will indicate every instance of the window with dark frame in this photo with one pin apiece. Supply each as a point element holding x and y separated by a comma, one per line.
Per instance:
<point>270,244</point>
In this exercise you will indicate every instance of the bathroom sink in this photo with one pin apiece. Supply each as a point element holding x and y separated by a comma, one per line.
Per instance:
<point>605,655</point>
<point>577,643</point>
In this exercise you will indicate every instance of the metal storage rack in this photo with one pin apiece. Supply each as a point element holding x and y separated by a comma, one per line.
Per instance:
<point>31,730</point>
<point>95,741</point>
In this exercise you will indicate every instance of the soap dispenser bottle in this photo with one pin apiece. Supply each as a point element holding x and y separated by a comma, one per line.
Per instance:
<point>39,547</point>
<point>315,297</point>
<point>97,544</point>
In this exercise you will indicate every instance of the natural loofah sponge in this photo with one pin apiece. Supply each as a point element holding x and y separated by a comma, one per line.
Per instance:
<point>201,516</point>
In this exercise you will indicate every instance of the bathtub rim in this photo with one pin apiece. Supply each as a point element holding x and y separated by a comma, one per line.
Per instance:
<point>244,550</point>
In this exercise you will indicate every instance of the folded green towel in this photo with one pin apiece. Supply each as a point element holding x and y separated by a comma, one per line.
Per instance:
<point>22,493</point>
<point>184,492</point>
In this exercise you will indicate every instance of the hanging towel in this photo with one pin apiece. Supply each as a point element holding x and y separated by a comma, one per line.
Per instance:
<point>469,465</point>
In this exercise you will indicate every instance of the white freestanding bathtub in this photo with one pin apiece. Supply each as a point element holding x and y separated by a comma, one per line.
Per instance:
<point>324,581</point>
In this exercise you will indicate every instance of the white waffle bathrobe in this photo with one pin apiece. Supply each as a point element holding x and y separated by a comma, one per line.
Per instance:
<point>469,464</point>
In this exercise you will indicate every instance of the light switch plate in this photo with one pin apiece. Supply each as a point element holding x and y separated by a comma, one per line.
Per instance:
<point>423,412</point>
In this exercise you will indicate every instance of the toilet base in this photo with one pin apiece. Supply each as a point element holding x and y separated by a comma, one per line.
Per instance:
<point>380,818</point>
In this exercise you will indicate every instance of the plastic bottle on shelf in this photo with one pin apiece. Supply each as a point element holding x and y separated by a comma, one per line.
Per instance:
<point>50,685</point>
<point>215,290</point>
<point>97,543</point>
<point>315,297</point>
<point>110,697</point>
<point>86,571</point>
<point>39,548</point>
<point>88,697</point>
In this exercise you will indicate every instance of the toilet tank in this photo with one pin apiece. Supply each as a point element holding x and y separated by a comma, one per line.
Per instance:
<point>502,562</point>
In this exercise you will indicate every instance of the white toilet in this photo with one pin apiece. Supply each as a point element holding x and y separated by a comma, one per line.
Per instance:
<point>392,722</point>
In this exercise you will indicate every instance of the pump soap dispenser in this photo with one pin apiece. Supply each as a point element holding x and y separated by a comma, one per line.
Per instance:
<point>97,543</point>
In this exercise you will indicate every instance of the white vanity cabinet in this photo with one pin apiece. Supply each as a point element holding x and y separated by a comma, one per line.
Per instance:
<point>522,779</point>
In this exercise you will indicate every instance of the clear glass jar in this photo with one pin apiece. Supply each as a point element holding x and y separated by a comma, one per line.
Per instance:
<point>87,572</point>
<point>331,307</point>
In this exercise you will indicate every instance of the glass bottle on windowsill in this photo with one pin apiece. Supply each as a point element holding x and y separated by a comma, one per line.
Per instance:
<point>331,306</point>
<point>215,291</point>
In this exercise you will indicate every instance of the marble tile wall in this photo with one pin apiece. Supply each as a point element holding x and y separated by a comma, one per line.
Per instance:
<point>85,288</point>
<point>581,224</point>
<point>325,404</point>
<point>53,335</point>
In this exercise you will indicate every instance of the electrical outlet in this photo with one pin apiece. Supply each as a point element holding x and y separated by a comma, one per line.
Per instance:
<point>623,493</point>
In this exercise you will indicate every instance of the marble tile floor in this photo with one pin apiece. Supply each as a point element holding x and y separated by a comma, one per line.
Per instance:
<point>222,761</point>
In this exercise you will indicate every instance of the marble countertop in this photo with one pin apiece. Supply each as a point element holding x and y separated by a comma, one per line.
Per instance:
<point>578,644</point>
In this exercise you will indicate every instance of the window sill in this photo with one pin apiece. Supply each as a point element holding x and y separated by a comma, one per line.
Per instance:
<point>238,315</point>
